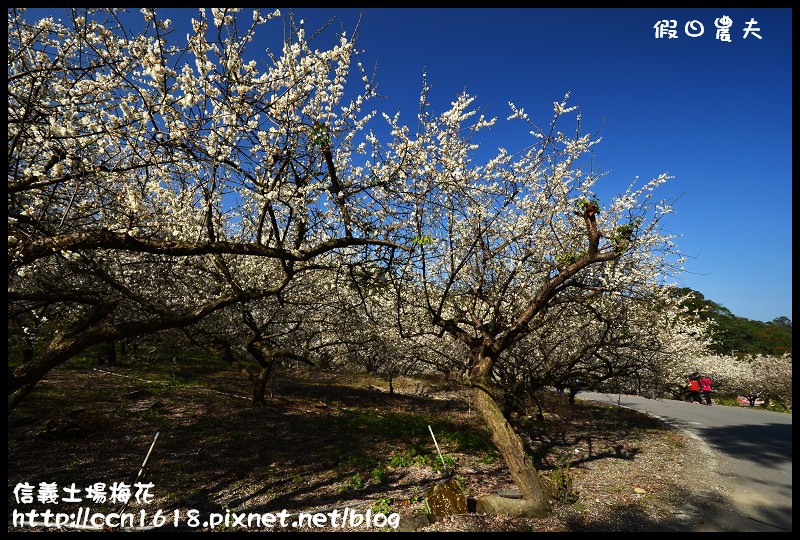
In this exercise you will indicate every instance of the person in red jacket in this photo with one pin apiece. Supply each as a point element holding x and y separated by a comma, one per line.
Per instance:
<point>694,389</point>
<point>705,387</point>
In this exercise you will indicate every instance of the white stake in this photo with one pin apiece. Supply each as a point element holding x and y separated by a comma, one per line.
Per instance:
<point>437,448</point>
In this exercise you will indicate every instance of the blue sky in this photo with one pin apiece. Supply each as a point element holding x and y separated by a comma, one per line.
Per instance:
<point>715,115</point>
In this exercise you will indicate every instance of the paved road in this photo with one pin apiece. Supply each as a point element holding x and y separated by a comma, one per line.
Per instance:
<point>751,452</point>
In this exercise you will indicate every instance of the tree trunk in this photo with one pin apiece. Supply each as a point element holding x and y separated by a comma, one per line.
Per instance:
<point>539,413</point>
<point>108,353</point>
<point>260,386</point>
<point>572,393</point>
<point>524,473</point>
<point>259,349</point>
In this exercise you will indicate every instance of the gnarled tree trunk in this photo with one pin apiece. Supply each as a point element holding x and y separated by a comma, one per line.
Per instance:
<point>260,385</point>
<point>260,350</point>
<point>524,473</point>
<point>522,469</point>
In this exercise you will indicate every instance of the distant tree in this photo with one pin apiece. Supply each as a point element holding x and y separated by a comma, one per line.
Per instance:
<point>696,303</point>
<point>782,321</point>
<point>751,337</point>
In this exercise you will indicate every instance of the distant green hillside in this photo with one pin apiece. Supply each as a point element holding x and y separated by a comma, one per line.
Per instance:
<point>739,335</point>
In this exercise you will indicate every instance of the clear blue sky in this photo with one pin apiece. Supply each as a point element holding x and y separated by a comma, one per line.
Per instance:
<point>715,115</point>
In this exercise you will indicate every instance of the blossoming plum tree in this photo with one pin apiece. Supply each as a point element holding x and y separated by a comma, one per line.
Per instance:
<point>503,246</point>
<point>151,184</point>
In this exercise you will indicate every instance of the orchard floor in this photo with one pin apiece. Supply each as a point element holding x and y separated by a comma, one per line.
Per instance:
<point>333,441</point>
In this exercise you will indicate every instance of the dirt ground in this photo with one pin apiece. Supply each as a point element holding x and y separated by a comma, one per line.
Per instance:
<point>328,443</point>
